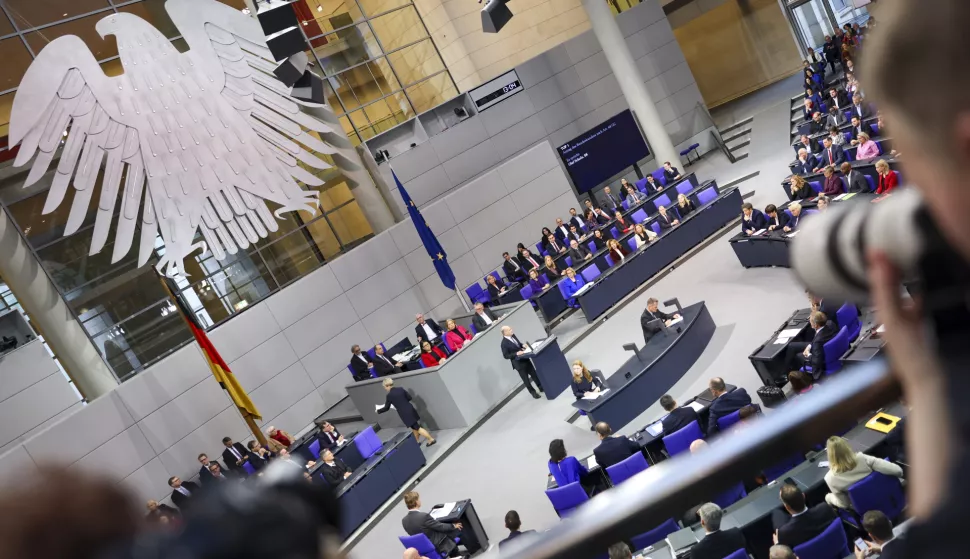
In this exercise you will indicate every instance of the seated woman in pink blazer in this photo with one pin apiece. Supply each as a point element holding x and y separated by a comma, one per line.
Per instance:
<point>456,336</point>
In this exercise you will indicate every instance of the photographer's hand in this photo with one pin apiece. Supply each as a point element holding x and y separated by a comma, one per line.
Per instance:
<point>930,437</point>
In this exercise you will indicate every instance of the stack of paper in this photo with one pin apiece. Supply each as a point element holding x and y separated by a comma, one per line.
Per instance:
<point>591,463</point>
<point>676,321</point>
<point>698,406</point>
<point>584,289</point>
<point>786,335</point>
<point>379,406</point>
<point>792,234</point>
<point>444,510</point>
<point>759,232</point>
<point>595,395</point>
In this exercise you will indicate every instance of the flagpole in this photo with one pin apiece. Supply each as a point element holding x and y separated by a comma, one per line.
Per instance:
<point>462,299</point>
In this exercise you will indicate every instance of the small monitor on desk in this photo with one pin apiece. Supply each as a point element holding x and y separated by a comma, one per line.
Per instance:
<point>656,428</point>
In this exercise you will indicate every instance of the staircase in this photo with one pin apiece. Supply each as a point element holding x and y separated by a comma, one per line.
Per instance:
<point>737,138</point>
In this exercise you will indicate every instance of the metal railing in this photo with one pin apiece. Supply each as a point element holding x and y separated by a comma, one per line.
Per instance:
<point>652,496</point>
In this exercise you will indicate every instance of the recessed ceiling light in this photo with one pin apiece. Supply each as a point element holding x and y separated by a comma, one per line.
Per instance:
<point>319,8</point>
<point>65,15</point>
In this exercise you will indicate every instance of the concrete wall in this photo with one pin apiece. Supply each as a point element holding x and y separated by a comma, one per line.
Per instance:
<point>291,350</point>
<point>568,90</point>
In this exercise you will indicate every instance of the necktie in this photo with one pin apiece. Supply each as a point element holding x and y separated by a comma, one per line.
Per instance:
<point>235,453</point>
<point>533,262</point>
<point>514,264</point>
<point>517,342</point>
<point>830,156</point>
<point>385,360</point>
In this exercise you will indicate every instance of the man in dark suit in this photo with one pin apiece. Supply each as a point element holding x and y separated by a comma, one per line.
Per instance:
<point>838,99</point>
<point>513,270</point>
<point>611,201</point>
<point>235,454</point>
<point>856,129</point>
<point>328,436</point>
<point>751,221</point>
<point>880,530</point>
<point>612,450</point>
<point>383,365</point>
<point>832,53</point>
<point>562,231</point>
<point>415,522</point>
<point>717,543</point>
<point>671,173</point>
<point>427,329</point>
<point>578,252</point>
<point>817,124</point>
<point>554,246</point>
<point>483,317</point>
<point>205,476</point>
<point>725,403</point>
<point>575,218</point>
<point>530,262</point>
<point>651,319</point>
<point>797,523</point>
<point>513,523</point>
<point>776,220</point>
<point>360,363</point>
<point>334,470</point>
<point>808,144</point>
<point>219,475</point>
<point>832,155</point>
<point>512,348</point>
<point>859,108</point>
<point>677,417</point>
<point>857,181</point>
<point>806,163</point>
<point>812,353</point>
<point>182,493</point>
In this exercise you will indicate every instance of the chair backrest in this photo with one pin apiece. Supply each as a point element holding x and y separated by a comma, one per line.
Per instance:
<point>625,204</point>
<point>539,249</point>
<point>656,227</point>
<point>684,187</point>
<point>250,469</point>
<point>830,544</point>
<point>788,213</point>
<point>647,539</point>
<point>622,471</point>
<point>776,471</point>
<point>728,420</point>
<point>351,369</point>
<point>875,129</point>
<point>561,285</point>
<point>834,349</point>
<point>662,200</point>
<point>850,153</point>
<point>615,231</point>
<point>848,136</point>
<point>639,216</point>
<point>609,261</point>
<point>846,314</point>
<point>367,442</point>
<point>659,175</point>
<point>422,544</point>
<point>739,554</point>
<point>679,441</point>
<point>879,492</point>
<point>565,499</point>
<point>899,177</point>
<point>632,243</point>
<point>569,261</point>
<point>816,186</point>
<point>731,496</point>
<point>706,195</point>
<point>642,185</point>
<point>591,272</point>
<point>526,291</point>
<point>314,448</point>
<point>476,293</point>
<point>872,183</point>
<point>591,246</point>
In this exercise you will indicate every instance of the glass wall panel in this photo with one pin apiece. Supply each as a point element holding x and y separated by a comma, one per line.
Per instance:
<point>416,62</point>
<point>6,103</point>
<point>153,11</point>
<point>16,59</point>
<point>28,14</point>
<point>374,7</point>
<point>399,28</point>
<point>382,115</point>
<point>432,92</point>
<point>345,48</point>
<point>84,29</point>
<point>365,83</point>
<point>323,16</point>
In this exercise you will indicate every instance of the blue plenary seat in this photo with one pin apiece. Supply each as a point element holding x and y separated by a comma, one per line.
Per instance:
<point>626,469</point>
<point>625,204</point>
<point>776,471</point>
<point>662,200</point>
<point>476,293</point>
<point>609,261</point>
<point>526,292</point>
<point>591,272</point>
<point>569,261</point>
<point>728,420</point>
<point>655,227</point>
<point>734,494</point>
<point>367,442</point>
<point>314,448</point>
<point>647,539</point>
<point>632,243</point>
<point>872,183</point>
<point>250,470</point>
<point>899,177</point>
<point>848,316</point>
<point>879,492</point>
<point>615,232</point>
<point>639,216</point>
<point>642,185</point>
<point>816,186</point>
<point>707,195</point>
<point>834,349</point>
<point>422,544</point>
<point>684,187</point>
<point>591,246</point>
<point>659,176</point>
<point>567,498</point>
<point>679,441</point>
<point>739,554</point>
<point>567,471</point>
<point>830,544</point>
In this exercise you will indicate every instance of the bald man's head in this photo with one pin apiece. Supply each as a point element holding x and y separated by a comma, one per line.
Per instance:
<point>697,445</point>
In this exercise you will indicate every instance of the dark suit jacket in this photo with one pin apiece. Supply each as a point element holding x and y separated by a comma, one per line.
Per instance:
<point>718,545</point>
<point>528,265</point>
<point>841,100</point>
<point>838,156</point>
<point>612,201</point>
<point>666,222</point>
<point>780,220</point>
<point>649,327</point>
<point>334,474</point>
<point>563,236</point>
<point>205,476</point>
<point>442,535</point>
<point>512,536</point>
<point>756,222</point>
<point>892,549</point>
<point>509,350</point>
<point>361,371</point>
<point>613,450</point>
<point>578,254</point>
<point>806,526</point>
<point>678,419</point>
<point>817,357</point>
<point>401,400</point>
<point>866,111</point>
<point>230,459</point>
<point>328,440</point>
<point>578,222</point>
<point>385,367</point>
<point>726,404</point>
<point>671,174</point>
<point>493,291</point>
<point>511,271</point>
<point>857,182</point>
<point>808,167</point>
<point>419,329</point>
<point>479,322</point>
<point>180,500</point>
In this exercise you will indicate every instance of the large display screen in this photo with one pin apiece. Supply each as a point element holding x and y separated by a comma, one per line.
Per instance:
<point>604,151</point>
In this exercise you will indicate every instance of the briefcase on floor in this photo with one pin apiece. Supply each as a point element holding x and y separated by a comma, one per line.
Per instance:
<point>771,396</point>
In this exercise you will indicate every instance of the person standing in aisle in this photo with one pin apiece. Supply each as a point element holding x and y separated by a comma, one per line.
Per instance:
<point>401,400</point>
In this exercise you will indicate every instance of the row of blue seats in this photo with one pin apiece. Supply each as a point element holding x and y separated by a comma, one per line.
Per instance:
<point>817,185</point>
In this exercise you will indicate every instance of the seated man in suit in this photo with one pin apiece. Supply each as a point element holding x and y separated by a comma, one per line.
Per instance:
<point>219,475</point>
<point>182,492</point>
<point>776,219</point>
<point>611,201</point>
<point>634,196</point>
<point>612,450</point>
<point>651,317</point>
<point>334,470</point>
<point>796,215</point>
<point>513,270</point>
<point>601,216</point>
<point>806,163</point>
<point>855,180</point>
<point>677,417</point>
<point>383,365</point>
<point>235,454</point>
<point>751,221</point>
<point>717,543</point>
<point>817,124</point>
<point>882,539</point>
<point>328,436</point>
<point>483,317</point>
<point>360,363</point>
<point>553,245</point>
<point>530,262</point>
<point>725,403</point>
<point>812,353</point>
<point>838,99</point>
<point>205,475</point>
<point>442,535</point>
<point>797,523</point>
<point>427,329</point>
<point>808,144</point>
<point>578,252</point>
<point>562,230</point>
<point>513,523</point>
<point>670,172</point>
<point>859,108</point>
<point>832,155</point>
<point>856,129</point>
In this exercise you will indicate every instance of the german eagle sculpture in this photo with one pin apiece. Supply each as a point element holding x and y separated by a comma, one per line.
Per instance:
<point>193,142</point>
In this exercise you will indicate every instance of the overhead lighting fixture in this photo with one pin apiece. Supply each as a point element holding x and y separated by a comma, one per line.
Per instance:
<point>319,8</point>
<point>495,15</point>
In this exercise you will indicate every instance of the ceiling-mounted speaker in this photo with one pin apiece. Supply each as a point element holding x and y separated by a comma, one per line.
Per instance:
<point>495,15</point>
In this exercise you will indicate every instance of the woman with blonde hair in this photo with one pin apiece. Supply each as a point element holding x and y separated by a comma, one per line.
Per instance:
<point>552,272</point>
<point>584,381</point>
<point>847,467</point>
<point>684,205</point>
<point>800,189</point>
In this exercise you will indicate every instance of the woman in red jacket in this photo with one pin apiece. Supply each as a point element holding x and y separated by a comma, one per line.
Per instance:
<point>456,336</point>
<point>431,356</point>
<point>887,178</point>
<point>621,223</point>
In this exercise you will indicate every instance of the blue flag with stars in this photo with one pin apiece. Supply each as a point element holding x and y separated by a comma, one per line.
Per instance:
<point>428,239</point>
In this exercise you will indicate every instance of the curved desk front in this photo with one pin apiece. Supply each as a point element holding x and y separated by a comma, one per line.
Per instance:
<point>666,359</point>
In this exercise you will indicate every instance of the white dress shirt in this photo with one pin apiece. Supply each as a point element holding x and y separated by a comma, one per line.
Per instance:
<point>427,330</point>
<point>488,321</point>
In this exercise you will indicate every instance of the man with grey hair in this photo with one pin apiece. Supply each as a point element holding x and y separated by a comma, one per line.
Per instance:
<point>620,551</point>
<point>781,552</point>
<point>717,543</point>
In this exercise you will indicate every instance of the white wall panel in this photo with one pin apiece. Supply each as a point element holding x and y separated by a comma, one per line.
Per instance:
<point>302,296</point>
<point>332,357</point>
<point>398,313</point>
<point>120,457</point>
<point>184,414</point>
<point>24,366</point>
<point>180,458</point>
<point>319,326</point>
<point>282,391</point>
<point>375,291</point>
<point>34,405</point>
<point>264,362</point>
<point>163,381</point>
<point>149,481</point>
<point>300,415</point>
<point>245,331</point>
<point>14,465</point>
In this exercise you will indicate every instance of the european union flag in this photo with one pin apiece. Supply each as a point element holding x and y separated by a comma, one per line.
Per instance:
<point>430,242</point>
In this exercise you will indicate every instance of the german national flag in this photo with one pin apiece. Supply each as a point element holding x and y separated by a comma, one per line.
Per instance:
<point>219,368</point>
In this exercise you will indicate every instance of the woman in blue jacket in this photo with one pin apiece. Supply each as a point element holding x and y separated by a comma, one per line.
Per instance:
<point>537,282</point>
<point>572,283</point>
